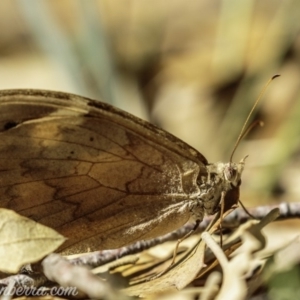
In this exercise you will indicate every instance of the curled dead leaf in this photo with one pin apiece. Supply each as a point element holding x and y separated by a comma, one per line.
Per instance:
<point>24,241</point>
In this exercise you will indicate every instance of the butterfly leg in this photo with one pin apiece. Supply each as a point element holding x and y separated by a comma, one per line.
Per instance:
<point>222,202</point>
<point>182,239</point>
<point>176,249</point>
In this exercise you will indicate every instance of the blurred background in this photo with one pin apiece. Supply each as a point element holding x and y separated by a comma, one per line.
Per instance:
<point>194,68</point>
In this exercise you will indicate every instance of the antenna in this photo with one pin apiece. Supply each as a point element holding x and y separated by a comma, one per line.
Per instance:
<point>246,131</point>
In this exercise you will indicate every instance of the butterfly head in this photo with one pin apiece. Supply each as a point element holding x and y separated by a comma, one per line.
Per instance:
<point>232,172</point>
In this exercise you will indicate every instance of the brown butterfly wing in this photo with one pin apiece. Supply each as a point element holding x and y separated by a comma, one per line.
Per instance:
<point>99,176</point>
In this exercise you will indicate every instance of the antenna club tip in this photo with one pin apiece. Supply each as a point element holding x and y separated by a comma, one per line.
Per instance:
<point>275,76</point>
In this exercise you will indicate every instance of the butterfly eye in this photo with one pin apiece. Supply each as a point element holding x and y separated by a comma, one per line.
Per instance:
<point>230,173</point>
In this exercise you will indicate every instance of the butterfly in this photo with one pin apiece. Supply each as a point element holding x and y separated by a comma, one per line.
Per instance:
<point>100,176</point>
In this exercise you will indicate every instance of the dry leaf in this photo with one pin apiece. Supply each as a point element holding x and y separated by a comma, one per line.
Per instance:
<point>181,273</point>
<point>177,278</point>
<point>24,241</point>
<point>234,285</point>
<point>188,266</point>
